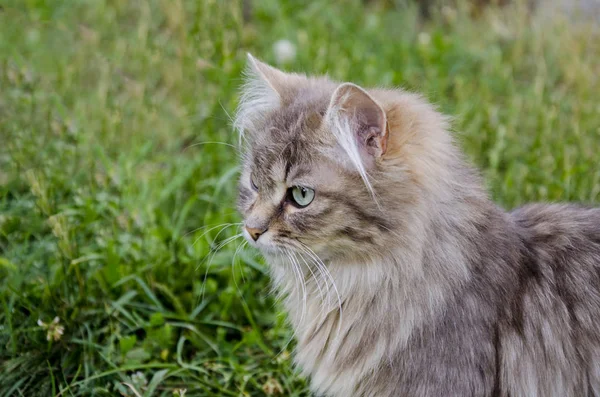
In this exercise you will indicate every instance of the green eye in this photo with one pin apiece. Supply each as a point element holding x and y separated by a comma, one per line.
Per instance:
<point>302,196</point>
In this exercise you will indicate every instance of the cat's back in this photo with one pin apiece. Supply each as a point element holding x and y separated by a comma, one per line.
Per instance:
<point>560,246</point>
<point>552,331</point>
<point>560,233</point>
<point>561,254</point>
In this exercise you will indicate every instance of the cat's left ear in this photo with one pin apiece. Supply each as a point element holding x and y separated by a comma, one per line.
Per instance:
<point>359,123</point>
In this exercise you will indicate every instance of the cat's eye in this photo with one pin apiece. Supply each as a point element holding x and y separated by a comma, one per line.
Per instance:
<point>253,183</point>
<point>302,196</point>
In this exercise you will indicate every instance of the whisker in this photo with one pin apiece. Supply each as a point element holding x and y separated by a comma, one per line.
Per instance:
<point>316,279</point>
<point>231,120</point>
<point>225,226</point>
<point>223,243</point>
<point>240,247</point>
<point>215,226</point>
<point>214,252</point>
<point>288,252</point>
<point>309,251</point>
<point>299,278</point>
<point>210,143</point>
<point>322,271</point>
<point>302,284</point>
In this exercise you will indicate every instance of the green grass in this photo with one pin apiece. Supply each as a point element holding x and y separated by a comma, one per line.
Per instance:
<point>105,199</point>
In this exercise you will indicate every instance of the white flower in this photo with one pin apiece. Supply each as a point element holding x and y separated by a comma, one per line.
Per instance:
<point>285,51</point>
<point>53,330</point>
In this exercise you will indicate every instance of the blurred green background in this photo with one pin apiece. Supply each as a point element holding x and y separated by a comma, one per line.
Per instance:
<point>117,168</point>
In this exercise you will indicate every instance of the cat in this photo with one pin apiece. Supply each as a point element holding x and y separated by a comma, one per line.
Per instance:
<point>399,275</point>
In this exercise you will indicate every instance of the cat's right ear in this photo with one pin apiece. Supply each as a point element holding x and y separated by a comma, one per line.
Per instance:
<point>273,80</point>
<point>264,90</point>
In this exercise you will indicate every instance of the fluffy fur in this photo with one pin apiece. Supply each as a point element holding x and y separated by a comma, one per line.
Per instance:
<point>402,278</point>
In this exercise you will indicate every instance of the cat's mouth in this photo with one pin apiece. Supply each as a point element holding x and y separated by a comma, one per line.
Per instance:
<point>270,243</point>
<point>265,242</point>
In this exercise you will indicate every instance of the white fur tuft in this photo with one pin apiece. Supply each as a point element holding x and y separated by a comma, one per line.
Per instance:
<point>343,124</point>
<point>258,98</point>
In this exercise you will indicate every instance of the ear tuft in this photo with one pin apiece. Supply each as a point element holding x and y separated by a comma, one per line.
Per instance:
<point>360,126</point>
<point>366,118</point>
<point>259,95</point>
<point>274,78</point>
<point>265,89</point>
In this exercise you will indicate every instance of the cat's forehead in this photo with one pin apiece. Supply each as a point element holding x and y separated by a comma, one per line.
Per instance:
<point>292,131</point>
<point>291,139</point>
<point>286,156</point>
<point>289,150</point>
<point>299,119</point>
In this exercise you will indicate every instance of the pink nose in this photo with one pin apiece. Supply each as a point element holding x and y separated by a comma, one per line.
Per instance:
<point>255,233</point>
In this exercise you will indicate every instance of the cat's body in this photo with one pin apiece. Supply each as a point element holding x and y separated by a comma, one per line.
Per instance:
<point>524,323</point>
<point>401,277</point>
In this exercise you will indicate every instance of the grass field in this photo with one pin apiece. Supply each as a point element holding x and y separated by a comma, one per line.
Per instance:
<point>111,185</point>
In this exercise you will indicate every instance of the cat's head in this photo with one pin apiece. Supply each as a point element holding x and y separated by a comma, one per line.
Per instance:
<point>325,164</point>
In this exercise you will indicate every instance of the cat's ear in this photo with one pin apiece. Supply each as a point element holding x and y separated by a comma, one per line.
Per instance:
<point>266,89</point>
<point>359,124</point>
<point>274,79</point>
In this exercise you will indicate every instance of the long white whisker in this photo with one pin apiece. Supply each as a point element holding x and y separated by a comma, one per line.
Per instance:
<point>223,243</point>
<point>231,119</point>
<point>240,247</point>
<point>328,274</point>
<point>214,252</point>
<point>210,143</point>
<point>317,283</point>
<point>304,287</point>
<point>287,253</point>
<point>323,272</point>
<point>297,270</point>
<point>204,227</point>
<point>224,225</point>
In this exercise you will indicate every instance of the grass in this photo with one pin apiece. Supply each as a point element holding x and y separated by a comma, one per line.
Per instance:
<point>110,185</point>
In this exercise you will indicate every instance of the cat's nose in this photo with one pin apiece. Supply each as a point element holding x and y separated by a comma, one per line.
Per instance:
<point>255,233</point>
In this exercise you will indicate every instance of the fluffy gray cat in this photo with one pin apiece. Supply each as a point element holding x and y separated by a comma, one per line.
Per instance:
<point>400,276</point>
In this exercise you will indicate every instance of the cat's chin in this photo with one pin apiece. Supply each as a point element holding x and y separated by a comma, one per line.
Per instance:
<point>270,250</point>
<point>275,253</point>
